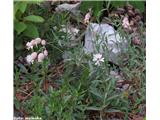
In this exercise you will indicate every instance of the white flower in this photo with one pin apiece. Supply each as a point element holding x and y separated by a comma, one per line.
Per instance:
<point>41,57</point>
<point>29,45</point>
<point>29,59</point>
<point>97,58</point>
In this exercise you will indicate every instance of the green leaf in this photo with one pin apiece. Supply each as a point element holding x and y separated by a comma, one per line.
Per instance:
<point>67,98</point>
<point>34,18</point>
<point>22,6</point>
<point>17,103</point>
<point>19,27</point>
<point>139,5</point>
<point>18,44</point>
<point>118,3</point>
<point>112,98</point>
<point>93,108</point>
<point>112,110</point>
<point>95,92</point>
<point>16,7</point>
<point>96,6</point>
<point>31,31</point>
<point>35,1</point>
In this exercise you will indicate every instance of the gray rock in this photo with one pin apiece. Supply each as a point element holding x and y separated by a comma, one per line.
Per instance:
<point>99,37</point>
<point>73,8</point>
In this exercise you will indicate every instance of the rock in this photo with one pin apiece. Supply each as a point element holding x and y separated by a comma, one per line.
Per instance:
<point>104,36</point>
<point>73,8</point>
<point>125,87</point>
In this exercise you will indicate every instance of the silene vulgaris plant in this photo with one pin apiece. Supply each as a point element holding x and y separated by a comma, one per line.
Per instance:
<point>38,51</point>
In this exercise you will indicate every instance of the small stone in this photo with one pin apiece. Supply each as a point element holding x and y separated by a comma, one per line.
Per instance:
<point>126,86</point>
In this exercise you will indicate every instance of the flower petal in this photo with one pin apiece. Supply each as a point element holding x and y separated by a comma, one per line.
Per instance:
<point>102,59</point>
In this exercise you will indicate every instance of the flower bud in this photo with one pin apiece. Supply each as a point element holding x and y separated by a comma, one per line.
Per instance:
<point>43,42</point>
<point>40,57</point>
<point>34,55</point>
<point>87,18</point>
<point>33,42</point>
<point>45,53</point>
<point>38,40</point>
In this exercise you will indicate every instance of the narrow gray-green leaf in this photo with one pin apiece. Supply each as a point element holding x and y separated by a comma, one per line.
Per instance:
<point>94,108</point>
<point>95,92</point>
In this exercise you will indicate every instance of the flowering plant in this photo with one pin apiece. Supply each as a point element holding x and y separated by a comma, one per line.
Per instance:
<point>97,58</point>
<point>39,55</point>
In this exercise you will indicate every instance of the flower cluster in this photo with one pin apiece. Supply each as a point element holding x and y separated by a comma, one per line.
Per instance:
<point>97,58</point>
<point>38,55</point>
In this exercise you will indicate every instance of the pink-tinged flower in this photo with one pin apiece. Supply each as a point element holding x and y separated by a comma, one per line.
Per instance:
<point>34,55</point>
<point>136,41</point>
<point>33,42</point>
<point>45,53</point>
<point>97,58</point>
<point>29,45</point>
<point>29,59</point>
<point>38,40</point>
<point>125,23</point>
<point>87,18</point>
<point>41,57</point>
<point>43,42</point>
